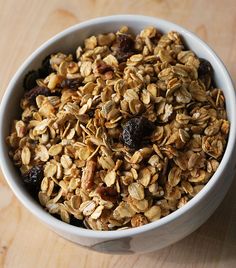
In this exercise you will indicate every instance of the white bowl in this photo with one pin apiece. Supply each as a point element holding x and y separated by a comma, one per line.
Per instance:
<point>154,235</point>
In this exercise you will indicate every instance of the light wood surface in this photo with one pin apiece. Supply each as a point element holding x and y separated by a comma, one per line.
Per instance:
<point>24,25</point>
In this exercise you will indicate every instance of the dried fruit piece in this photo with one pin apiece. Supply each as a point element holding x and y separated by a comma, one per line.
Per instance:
<point>102,67</point>
<point>125,44</point>
<point>135,130</point>
<point>30,78</point>
<point>204,68</point>
<point>46,68</point>
<point>33,178</point>
<point>34,92</point>
<point>76,222</point>
<point>205,72</point>
<point>71,83</point>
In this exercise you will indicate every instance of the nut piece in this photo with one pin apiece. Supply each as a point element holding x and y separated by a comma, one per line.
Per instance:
<point>87,180</point>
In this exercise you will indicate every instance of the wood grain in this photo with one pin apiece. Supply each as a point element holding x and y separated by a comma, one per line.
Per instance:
<point>24,25</point>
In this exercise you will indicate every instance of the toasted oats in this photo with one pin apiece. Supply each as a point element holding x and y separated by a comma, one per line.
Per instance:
<point>144,176</point>
<point>44,184</point>
<point>75,131</point>
<point>65,216</point>
<point>153,213</point>
<point>123,211</point>
<point>25,155</point>
<point>42,153</point>
<point>106,162</point>
<point>97,212</point>
<point>43,198</point>
<point>174,176</point>
<point>90,43</point>
<point>110,178</point>
<point>50,170</point>
<point>136,158</point>
<point>66,161</point>
<point>20,129</point>
<point>75,202</point>
<point>136,191</point>
<point>138,220</point>
<point>87,208</point>
<point>55,149</point>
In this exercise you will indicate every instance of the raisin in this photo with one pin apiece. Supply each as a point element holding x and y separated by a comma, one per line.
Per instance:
<point>135,130</point>
<point>34,92</point>
<point>205,72</point>
<point>125,43</point>
<point>108,193</point>
<point>123,56</point>
<point>71,84</point>
<point>76,222</point>
<point>204,67</point>
<point>33,179</point>
<point>102,67</point>
<point>30,80</point>
<point>46,68</point>
<point>91,113</point>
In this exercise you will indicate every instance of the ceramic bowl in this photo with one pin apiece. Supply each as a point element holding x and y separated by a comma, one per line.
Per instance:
<point>154,235</point>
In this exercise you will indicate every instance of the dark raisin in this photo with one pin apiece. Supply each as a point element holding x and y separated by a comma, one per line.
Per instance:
<point>204,67</point>
<point>155,39</point>
<point>31,77</point>
<point>91,113</point>
<point>205,72</point>
<point>123,56</point>
<point>71,83</point>
<point>76,222</point>
<point>103,68</point>
<point>108,193</point>
<point>33,179</point>
<point>125,47</point>
<point>125,43</point>
<point>45,68</point>
<point>135,130</point>
<point>30,80</point>
<point>34,92</point>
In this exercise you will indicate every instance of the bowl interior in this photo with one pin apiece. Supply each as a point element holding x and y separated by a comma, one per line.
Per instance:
<point>68,41</point>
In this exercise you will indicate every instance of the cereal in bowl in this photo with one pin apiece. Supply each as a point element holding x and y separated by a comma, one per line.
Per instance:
<point>121,133</point>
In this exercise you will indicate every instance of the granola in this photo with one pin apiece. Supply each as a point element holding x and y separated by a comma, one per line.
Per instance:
<point>121,133</point>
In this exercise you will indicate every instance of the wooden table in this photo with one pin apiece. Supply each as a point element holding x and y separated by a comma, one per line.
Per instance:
<point>24,25</point>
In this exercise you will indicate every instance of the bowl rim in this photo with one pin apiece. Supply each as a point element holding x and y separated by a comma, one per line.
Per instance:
<point>47,218</point>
